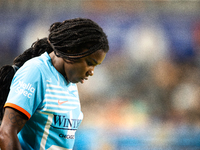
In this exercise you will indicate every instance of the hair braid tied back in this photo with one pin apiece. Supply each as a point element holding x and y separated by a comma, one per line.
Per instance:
<point>68,39</point>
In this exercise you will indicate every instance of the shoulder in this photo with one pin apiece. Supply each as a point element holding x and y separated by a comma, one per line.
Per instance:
<point>36,64</point>
<point>32,69</point>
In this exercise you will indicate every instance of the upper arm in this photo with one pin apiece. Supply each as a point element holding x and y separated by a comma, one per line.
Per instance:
<point>13,121</point>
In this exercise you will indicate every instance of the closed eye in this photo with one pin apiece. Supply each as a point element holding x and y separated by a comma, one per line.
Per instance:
<point>90,63</point>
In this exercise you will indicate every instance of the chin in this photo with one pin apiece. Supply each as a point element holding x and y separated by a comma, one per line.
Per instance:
<point>74,81</point>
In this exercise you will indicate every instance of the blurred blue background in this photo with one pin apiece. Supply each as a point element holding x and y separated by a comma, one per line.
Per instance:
<point>146,93</point>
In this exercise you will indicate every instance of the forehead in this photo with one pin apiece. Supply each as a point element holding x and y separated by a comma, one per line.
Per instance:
<point>97,56</point>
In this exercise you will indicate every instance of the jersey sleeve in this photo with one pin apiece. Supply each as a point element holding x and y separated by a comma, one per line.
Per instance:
<point>26,90</point>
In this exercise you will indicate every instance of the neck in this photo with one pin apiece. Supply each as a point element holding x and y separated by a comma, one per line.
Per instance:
<point>57,63</point>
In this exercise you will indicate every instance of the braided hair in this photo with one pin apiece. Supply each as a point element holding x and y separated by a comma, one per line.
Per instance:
<point>67,39</point>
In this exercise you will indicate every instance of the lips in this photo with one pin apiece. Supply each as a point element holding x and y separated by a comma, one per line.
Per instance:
<point>82,79</point>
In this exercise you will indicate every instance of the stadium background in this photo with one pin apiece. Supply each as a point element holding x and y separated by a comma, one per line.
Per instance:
<point>146,94</point>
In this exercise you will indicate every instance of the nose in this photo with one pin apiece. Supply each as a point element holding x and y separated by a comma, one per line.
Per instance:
<point>90,73</point>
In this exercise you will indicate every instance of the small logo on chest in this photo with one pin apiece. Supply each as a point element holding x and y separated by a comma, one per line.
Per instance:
<point>61,102</point>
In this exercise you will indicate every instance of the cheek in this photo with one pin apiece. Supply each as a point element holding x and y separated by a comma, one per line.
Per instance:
<point>68,70</point>
<point>76,70</point>
<point>80,70</point>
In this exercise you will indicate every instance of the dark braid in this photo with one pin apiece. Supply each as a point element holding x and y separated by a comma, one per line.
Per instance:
<point>7,72</point>
<point>67,39</point>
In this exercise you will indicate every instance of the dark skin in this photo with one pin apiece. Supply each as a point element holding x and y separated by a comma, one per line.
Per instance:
<point>13,120</point>
<point>79,70</point>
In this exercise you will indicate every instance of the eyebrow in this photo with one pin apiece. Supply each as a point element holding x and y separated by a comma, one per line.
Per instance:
<point>95,61</point>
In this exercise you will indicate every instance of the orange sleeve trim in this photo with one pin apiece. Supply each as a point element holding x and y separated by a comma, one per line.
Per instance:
<point>18,108</point>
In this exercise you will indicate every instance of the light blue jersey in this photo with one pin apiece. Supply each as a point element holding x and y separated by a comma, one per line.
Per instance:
<point>52,105</point>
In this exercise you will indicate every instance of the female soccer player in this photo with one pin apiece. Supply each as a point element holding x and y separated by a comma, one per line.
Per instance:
<point>42,108</point>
